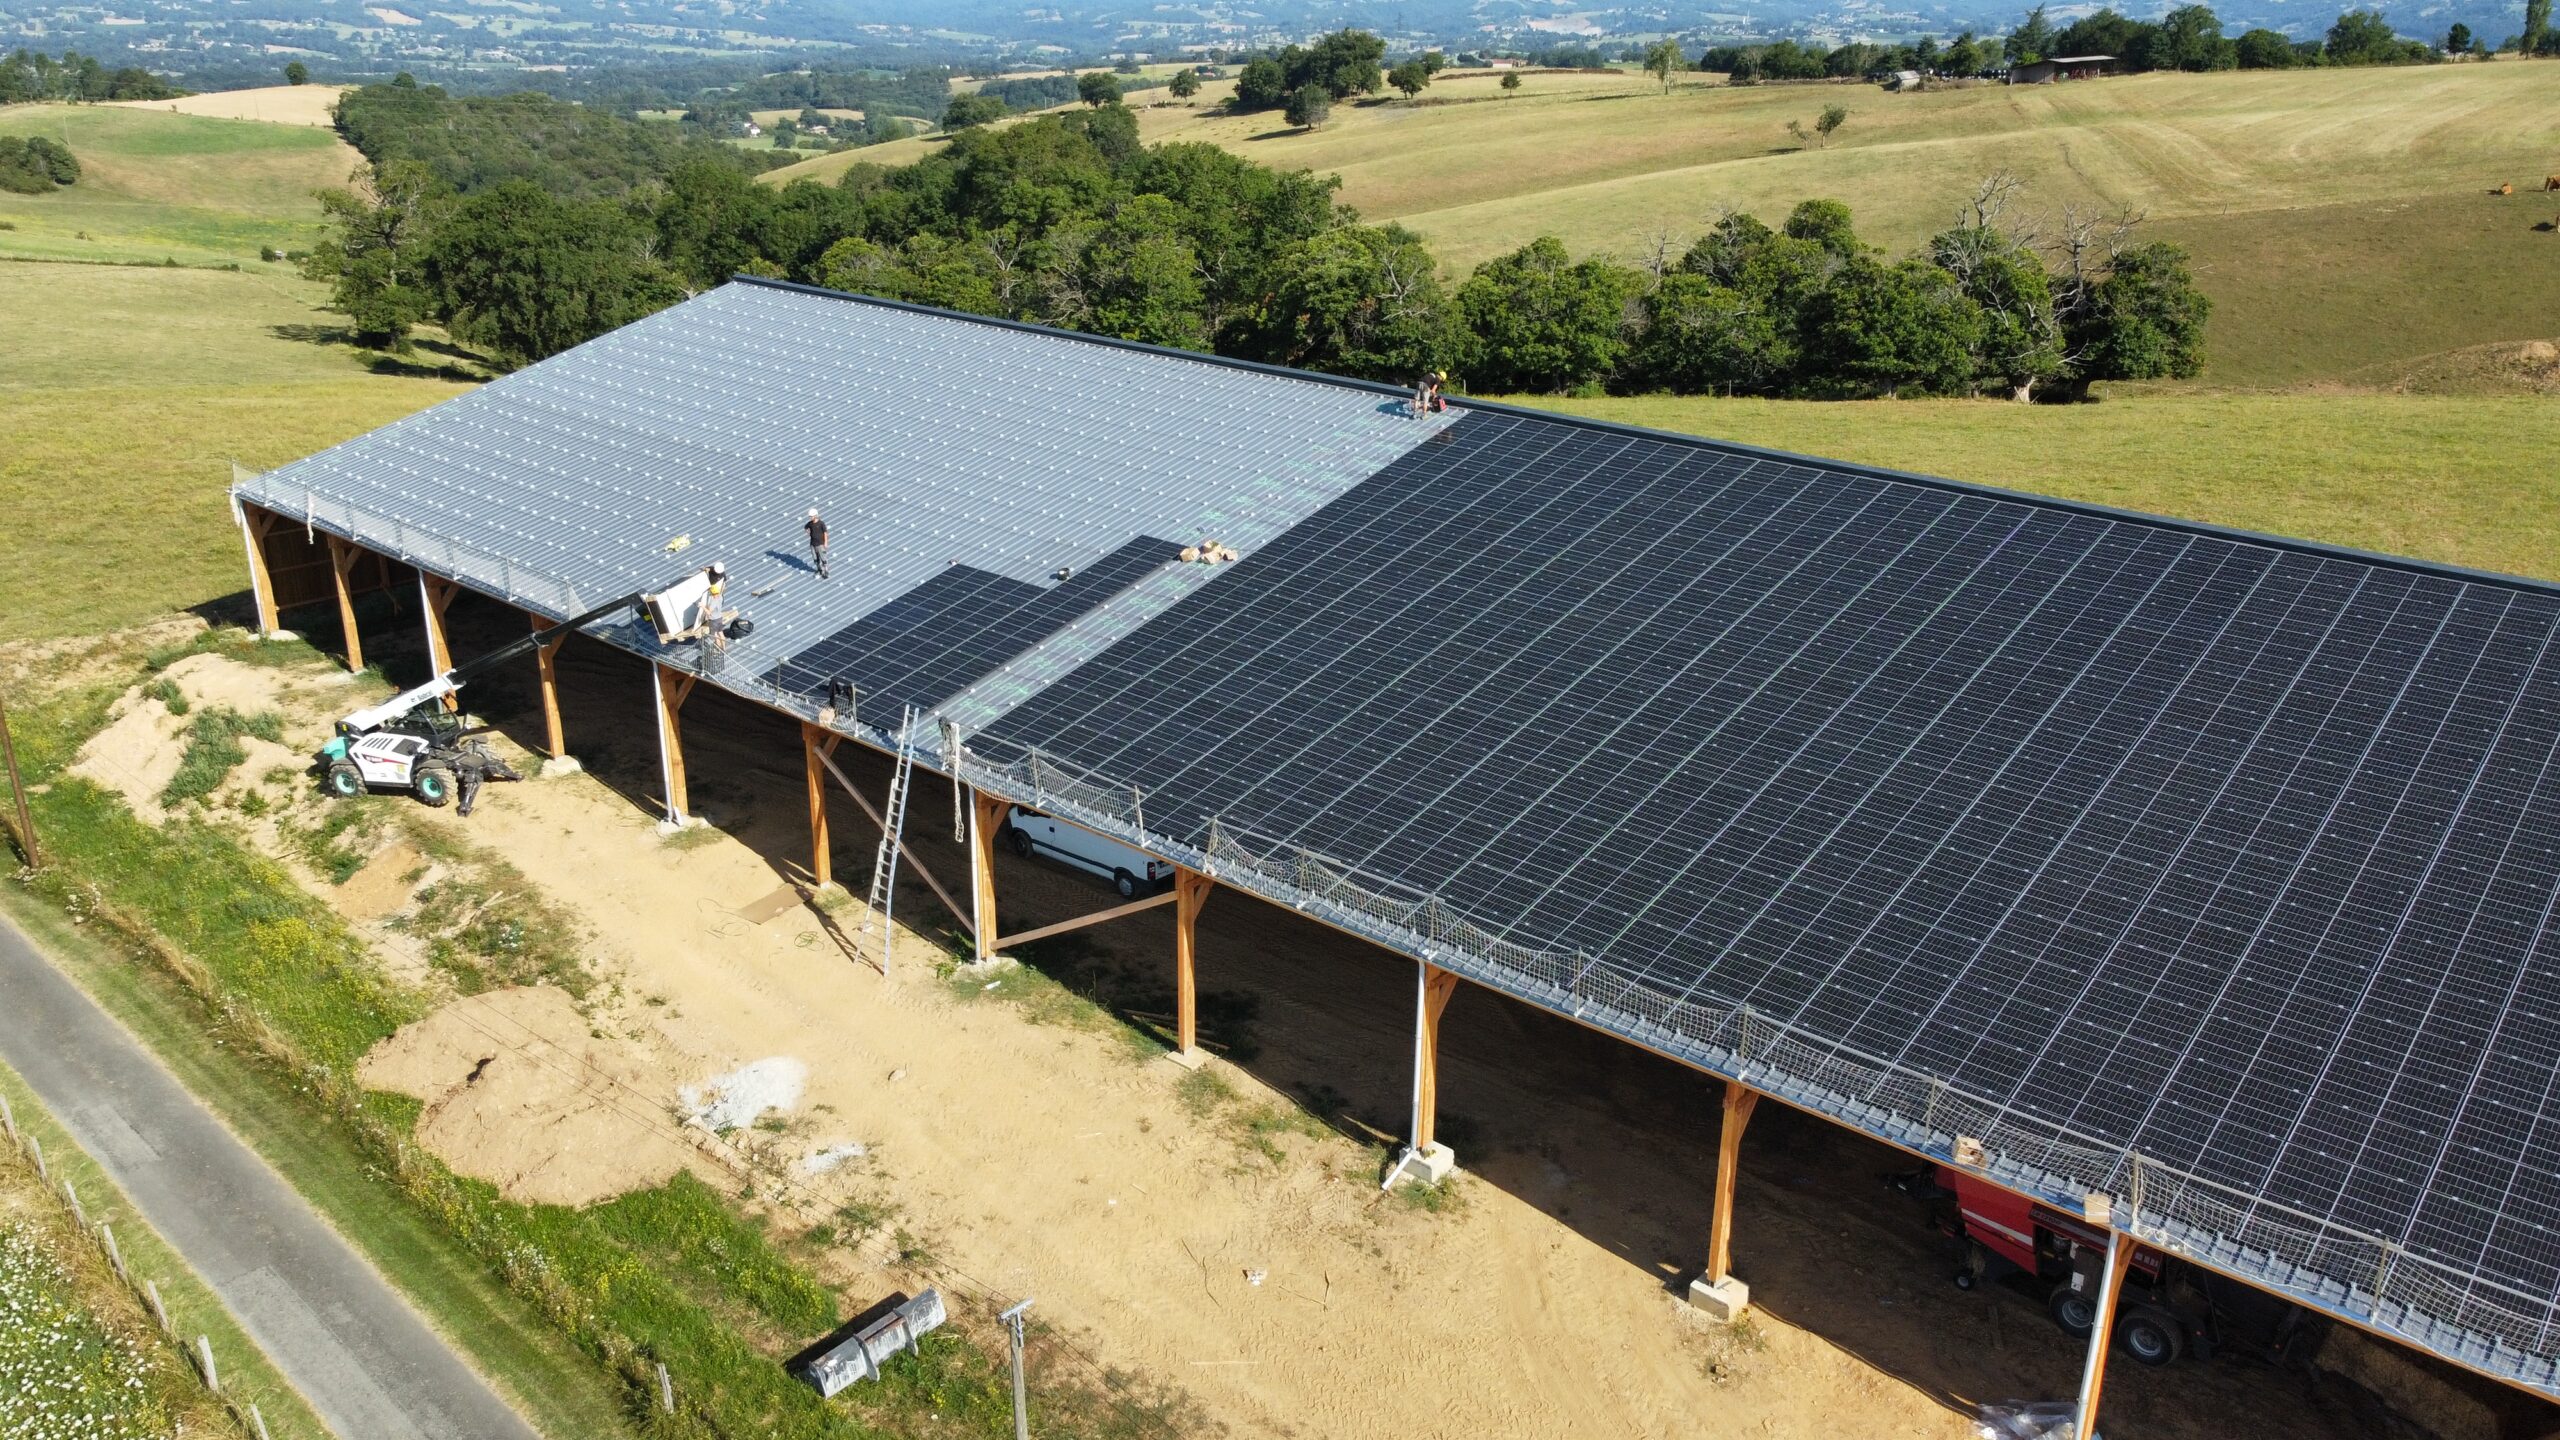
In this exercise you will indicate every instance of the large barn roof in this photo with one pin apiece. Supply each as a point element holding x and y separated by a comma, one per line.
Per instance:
<point>2210,871</point>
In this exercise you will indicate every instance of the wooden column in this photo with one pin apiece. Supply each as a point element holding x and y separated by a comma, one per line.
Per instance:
<point>986,821</point>
<point>434,594</point>
<point>1190,892</point>
<point>2093,1370</point>
<point>546,657</point>
<point>815,746</point>
<point>254,525</point>
<point>343,555</point>
<point>1437,986</point>
<point>668,691</point>
<point>1738,1100</point>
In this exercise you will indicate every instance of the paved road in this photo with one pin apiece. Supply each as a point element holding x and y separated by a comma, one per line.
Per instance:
<point>352,1346</point>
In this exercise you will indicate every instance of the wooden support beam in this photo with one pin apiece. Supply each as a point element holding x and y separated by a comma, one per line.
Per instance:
<point>2093,1369</point>
<point>434,594</point>
<point>1081,921</point>
<point>1190,891</point>
<point>668,689</point>
<point>343,555</point>
<point>1437,986</point>
<point>546,657</point>
<point>1738,1102</point>
<point>815,746</point>
<point>254,525</point>
<point>914,865</point>
<point>986,820</point>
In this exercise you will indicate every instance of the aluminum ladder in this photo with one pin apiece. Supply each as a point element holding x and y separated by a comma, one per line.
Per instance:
<point>893,824</point>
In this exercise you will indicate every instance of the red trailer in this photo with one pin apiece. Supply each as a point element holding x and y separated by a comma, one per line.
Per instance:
<point>2065,1257</point>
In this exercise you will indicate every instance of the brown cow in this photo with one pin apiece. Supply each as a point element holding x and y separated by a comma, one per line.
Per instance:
<point>2507,189</point>
<point>2551,184</point>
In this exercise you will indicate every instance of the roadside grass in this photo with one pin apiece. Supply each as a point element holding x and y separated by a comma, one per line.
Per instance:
<point>206,947</point>
<point>117,434</point>
<point>247,1374</point>
<point>158,186</point>
<point>2466,480</point>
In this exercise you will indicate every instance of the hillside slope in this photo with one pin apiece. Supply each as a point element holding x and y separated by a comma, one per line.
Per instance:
<point>2341,218</point>
<point>159,185</point>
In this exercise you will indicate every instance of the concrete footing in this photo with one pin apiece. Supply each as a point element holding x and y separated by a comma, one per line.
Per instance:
<point>559,765</point>
<point>1434,1164</point>
<point>1191,1059</point>
<point>673,827</point>
<point>1722,1301</point>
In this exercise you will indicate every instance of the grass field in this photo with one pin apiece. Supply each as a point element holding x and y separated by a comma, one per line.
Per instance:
<point>275,104</point>
<point>2341,217</point>
<point>157,186</point>
<point>119,426</point>
<point>2468,480</point>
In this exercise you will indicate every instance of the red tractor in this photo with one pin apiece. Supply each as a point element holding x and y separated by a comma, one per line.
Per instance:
<point>2165,1311</point>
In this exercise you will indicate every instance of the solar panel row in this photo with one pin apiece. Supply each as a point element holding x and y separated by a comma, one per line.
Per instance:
<point>2229,853</point>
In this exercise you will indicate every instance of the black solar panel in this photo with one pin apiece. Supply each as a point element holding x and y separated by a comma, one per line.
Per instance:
<point>937,639</point>
<point>2235,854</point>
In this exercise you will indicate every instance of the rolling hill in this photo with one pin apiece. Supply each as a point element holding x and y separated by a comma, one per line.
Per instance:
<point>158,185</point>
<point>2341,218</point>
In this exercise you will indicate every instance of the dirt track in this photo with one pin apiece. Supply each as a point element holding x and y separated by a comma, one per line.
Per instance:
<point>1042,1159</point>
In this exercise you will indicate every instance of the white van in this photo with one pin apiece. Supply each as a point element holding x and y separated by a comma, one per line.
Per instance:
<point>1133,872</point>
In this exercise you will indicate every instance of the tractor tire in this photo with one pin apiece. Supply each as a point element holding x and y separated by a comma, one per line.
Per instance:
<point>2076,1313</point>
<point>2151,1335</point>
<point>1020,839</point>
<point>432,783</point>
<point>343,781</point>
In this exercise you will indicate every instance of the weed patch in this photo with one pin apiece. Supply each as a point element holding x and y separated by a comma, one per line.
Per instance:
<point>214,751</point>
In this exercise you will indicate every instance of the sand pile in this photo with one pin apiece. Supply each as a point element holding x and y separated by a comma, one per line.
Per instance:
<point>519,1092</point>
<point>136,755</point>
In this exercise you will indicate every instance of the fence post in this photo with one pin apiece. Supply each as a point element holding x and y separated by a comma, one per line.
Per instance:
<point>666,1390</point>
<point>259,1420</point>
<point>37,1146</point>
<point>204,1349</point>
<point>71,1197</point>
<point>8,1120</point>
<point>159,1312</point>
<point>115,1257</point>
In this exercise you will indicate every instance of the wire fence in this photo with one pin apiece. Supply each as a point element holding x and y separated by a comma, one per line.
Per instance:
<point>2316,1260</point>
<point>412,545</point>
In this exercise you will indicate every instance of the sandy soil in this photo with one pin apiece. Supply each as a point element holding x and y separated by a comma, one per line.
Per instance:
<point>282,104</point>
<point>136,755</point>
<point>521,1091</point>
<point>1284,1293</point>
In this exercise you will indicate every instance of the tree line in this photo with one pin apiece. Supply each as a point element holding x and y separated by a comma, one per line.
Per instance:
<point>1068,220</point>
<point>2189,37</point>
<point>33,75</point>
<point>35,165</point>
<point>470,143</point>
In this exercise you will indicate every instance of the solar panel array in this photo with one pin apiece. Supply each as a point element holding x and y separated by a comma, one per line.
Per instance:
<point>2236,854</point>
<point>2227,851</point>
<point>932,642</point>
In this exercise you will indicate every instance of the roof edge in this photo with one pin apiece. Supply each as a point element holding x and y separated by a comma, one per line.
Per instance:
<point>2294,543</point>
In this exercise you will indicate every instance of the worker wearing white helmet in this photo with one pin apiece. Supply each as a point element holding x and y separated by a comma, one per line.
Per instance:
<point>817,529</point>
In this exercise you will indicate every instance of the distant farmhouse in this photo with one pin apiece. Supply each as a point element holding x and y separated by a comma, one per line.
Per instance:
<point>2061,67</point>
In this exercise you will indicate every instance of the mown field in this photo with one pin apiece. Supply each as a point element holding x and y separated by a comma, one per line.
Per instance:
<point>119,421</point>
<point>160,186</point>
<point>2341,218</point>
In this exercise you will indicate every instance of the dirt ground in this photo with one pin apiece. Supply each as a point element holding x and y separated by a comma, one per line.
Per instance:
<point>281,104</point>
<point>1216,1245</point>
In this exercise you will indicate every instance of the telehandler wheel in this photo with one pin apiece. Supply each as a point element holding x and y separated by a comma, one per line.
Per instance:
<point>343,781</point>
<point>432,782</point>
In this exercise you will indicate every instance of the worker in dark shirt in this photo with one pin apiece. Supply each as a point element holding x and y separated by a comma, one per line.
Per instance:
<point>818,543</point>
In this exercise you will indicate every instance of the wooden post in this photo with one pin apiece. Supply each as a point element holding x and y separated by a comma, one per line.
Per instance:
<point>434,594</point>
<point>1190,892</point>
<point>1437,986</point>
<point>986,819</point>
<point>2093,1370</point>
<point>1738,1101</point>
<point>254,525</point>
<point>815,746</point>
<point>545,658</point>
<point>343,555</point>
<point>669,689</point>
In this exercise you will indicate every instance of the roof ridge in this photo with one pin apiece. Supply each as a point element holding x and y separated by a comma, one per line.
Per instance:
<point>2298,544</point>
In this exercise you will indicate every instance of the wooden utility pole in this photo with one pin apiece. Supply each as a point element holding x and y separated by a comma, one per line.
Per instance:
<point>18,795</point>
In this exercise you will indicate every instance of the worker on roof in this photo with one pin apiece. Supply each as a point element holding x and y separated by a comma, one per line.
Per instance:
<point>715,604</point>
<point>817,529</point>
<point>1427,399</point>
